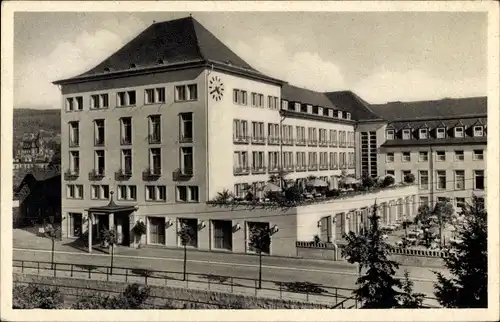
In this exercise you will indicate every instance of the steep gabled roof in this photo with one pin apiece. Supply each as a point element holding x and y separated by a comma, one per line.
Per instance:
<point>169,43</point>
<point>352,103</point>
<point>436,109</point>
<point>305,96</point>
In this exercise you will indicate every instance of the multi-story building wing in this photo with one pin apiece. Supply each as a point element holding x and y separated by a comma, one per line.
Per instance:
<point>441,143</point>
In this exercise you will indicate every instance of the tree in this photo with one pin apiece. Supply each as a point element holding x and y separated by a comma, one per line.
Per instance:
<point>139,230</point>
<point>260,240</point>
<point>111,238</point>
<point>408,299</point>
<point>186,235</point>
<point>34,296</point>
<point>377,287</point>
<point>388,181</point>
<point>356,250</point>
<point>467,262</point>
<point>52,232</point>
<point>367,181</point>
<point>409,178</point>
<point>443,212</point>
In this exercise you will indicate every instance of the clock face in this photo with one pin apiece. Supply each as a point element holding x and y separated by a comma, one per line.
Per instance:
<point>216,88</point>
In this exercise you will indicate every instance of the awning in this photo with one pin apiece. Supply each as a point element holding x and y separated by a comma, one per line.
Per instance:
<point>271,187</point>
<point>349,180</point>
<point>317,183</point>
<point>112,207</point>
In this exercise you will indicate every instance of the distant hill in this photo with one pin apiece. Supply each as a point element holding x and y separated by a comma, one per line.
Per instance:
<point>34,120</point>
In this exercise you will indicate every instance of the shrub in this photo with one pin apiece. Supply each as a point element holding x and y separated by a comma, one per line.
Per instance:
<point>133,297</point>
<point>139,228</point>
<point>367,181</point>
<point>33,296</point>
<point>332,193</point>
<point>409,178</point>
<point>293,194</point>
<point>274,196</point>
<point>316,239</point>
<point>249,196</point>
<point>388,181</point>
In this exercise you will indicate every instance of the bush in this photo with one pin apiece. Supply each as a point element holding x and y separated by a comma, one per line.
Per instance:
<point>293,194</point>
<point>409,178</point>
<point>332,193</point>
<point>274,196</point>
<point>33,296</point>
<point>133,297</point>
<point>388,181</point>
<point>367,181</point>
<point>316,239</point>
<point>139,228</point>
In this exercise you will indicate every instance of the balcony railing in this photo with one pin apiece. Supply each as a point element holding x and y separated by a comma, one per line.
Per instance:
<point>123,174</point>
<point>151,174</point>
<point>186,139</point>
<point>323,166</point>
<point>301,142</point>
<point>241,170</point>
<point>99,142</point>
<point>259,140</point>
<point>287,141</point>
<point>312,167</point>
<point>259,170</point>
<point>323,143</point>
<point>273,140</point>
<point>71,174</point>
<point>182,174</point>
<point>300,168</point>
<point>96,174</point>
<point>334,167</point>
<point>74,144</point>
<point>274,169</point>
<point>241,139</point>
<point>126,141</point>
<point>312,143</point>
<point>154,139</point>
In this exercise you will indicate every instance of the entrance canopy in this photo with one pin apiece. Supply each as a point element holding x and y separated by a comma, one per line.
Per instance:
<point>112,207</point>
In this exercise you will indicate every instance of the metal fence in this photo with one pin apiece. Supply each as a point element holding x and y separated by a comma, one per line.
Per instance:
<point>293,291</point>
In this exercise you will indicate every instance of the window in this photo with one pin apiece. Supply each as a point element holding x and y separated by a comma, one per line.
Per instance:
<point>459,155</point>
<point>74,191</point>
<point>347,115</point>
<point>479,179</point>
<point>99,132</point>
<point>390,135</point>
<point>222,234</point>
<point>323,160</point>
<point>75,222</point>
<point>74,134</point>
<point>94,101</point>
<point>335,160</point>
<point>99,162</point>
<point>390,172</point>
<point>155,161</point>
<point>70,106</point>
<point>99,191</point>
<point>478,131</point>
<point>126,130</point>
<point>251,228</point>
<point>389,157</point>
<point>459,180</point>
<point>273,160</point>
<point>186,127</point>
<point>193,226</point>
<point>406,157</point>
<point>273,132</point>
<point>312,136</point>
<point>74,103</point>
<point>240,131</point>
<point>423,156</point>
<point>240,162</point>
<point>154,95</point>
<point>240,190</point>
<point>257,100</point>
<point>74,162</point>
<point>272,102</point>
<point>478,155</point>
<point>460,202</point>
<point>302,107</point>
<point>258,162</point>
<point>187,160</point>
<point>284,105</point>
<point>441,179</point>
<point>154,129</point>
<point>126,161</point>
<point>239,97</point>
<point>187,194</point>
<point>424,201</point>
<point>156,193</point>
<point>422,133</point>
<point>440,133</point>
<point>186,92</point>
<point>459,132</point>
<point>301,135</point>
<point>127,192</point>
<point>406,134</point>
<point>125,98</point>
<point>99,101</point>
<point>440,156</point>
<point>423,179</point>
<point>258,132</point>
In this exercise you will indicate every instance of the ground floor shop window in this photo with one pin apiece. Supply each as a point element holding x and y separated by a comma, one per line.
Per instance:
<point>222,234</point>
<point>251,227</point>
<point>192,225</point>
<point>75,224</point>
<point>156,230</point>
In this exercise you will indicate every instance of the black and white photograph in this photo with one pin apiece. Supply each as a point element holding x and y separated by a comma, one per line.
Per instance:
<point>192,156</point>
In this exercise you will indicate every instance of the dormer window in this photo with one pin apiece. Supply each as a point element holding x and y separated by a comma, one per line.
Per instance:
<point>459,132</point>
<point>284,105</point>
<point>390,135</point>
<point>160,61</point>
<point>348,115</point>
<point>340,114</point>
<point>303,108</point>
<point>422,133</point>
<point>107,70</point>
<point>325,112</point>
<point>478,131</point>
<point>133,65</point>
<point>440,133</point>
<point>406,134</point>
<point>315,110</point>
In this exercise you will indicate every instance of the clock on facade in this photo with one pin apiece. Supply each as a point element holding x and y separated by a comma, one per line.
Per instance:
<point>216,88</point>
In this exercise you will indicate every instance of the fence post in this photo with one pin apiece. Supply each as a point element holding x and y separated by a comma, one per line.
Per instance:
<point>255,287</point>
<point>107,274</point>
<point>146,279</point>
<point>22,266</point>
<point>231,284</point>
<point>307,296</point>
<point>90,274</point>
<point>336,296</point>
<point>126,274</point>
<point>38,268</point>
<point>208,283</point>
<point>187,280</point>
<point>281,291</point>
<point>55,269</point>
<point>71,270</point>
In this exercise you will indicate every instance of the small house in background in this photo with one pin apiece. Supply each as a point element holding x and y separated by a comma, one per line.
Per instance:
<point>38,198</point>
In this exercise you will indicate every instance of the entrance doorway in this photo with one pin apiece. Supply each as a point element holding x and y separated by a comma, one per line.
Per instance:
<point>102,223</point>
<point>156,230</point>
<point>122,223</point>
<point>223,234</point>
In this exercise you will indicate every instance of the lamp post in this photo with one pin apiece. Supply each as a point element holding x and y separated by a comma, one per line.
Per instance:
<point>281,150</point>
<point>405,224</point>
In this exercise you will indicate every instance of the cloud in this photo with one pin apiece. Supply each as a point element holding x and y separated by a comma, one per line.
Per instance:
<point>385,85</point>
<point>301,68</point>
<point>35,76</point>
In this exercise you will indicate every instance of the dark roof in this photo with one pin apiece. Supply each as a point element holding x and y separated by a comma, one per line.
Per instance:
<point>446,141</point>
<point>167,43</point>
<point>305,96</point>
<point>448,107</point>
<point>432,124</point>
<point>352,103</point>
<point>36,174</point>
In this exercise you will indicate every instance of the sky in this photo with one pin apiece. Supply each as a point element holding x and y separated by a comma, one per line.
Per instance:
<point>381,56</point>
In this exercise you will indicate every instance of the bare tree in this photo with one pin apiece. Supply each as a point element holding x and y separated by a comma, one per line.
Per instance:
<point>186,235</point>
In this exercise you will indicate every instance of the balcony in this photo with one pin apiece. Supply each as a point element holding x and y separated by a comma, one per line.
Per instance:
<point>274,169</point>
<point>259,170</point>
<point>323,143</point>
<point>332,144</point>
<point>99,142</point>
<point>186,139</point>
<point>334,167</point>
<point>258,140</point>
<point>71,174</point>
<point>151,174</point>
<point>301,142</point>
<point>241,170</point>
<point>287,141</point>
<point>126,141</point>
<point>182,174</point>
<point>242,139</point>
<point>289,168</point>
<point>313,167</point>
<point>300,168</point>
<point>273,140</point>
<point>96,174</point>
<point>154,139</point>
<point>312,143</point>
<point>123,174</point>
<point>323,166</point>
<point>74,144</point>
